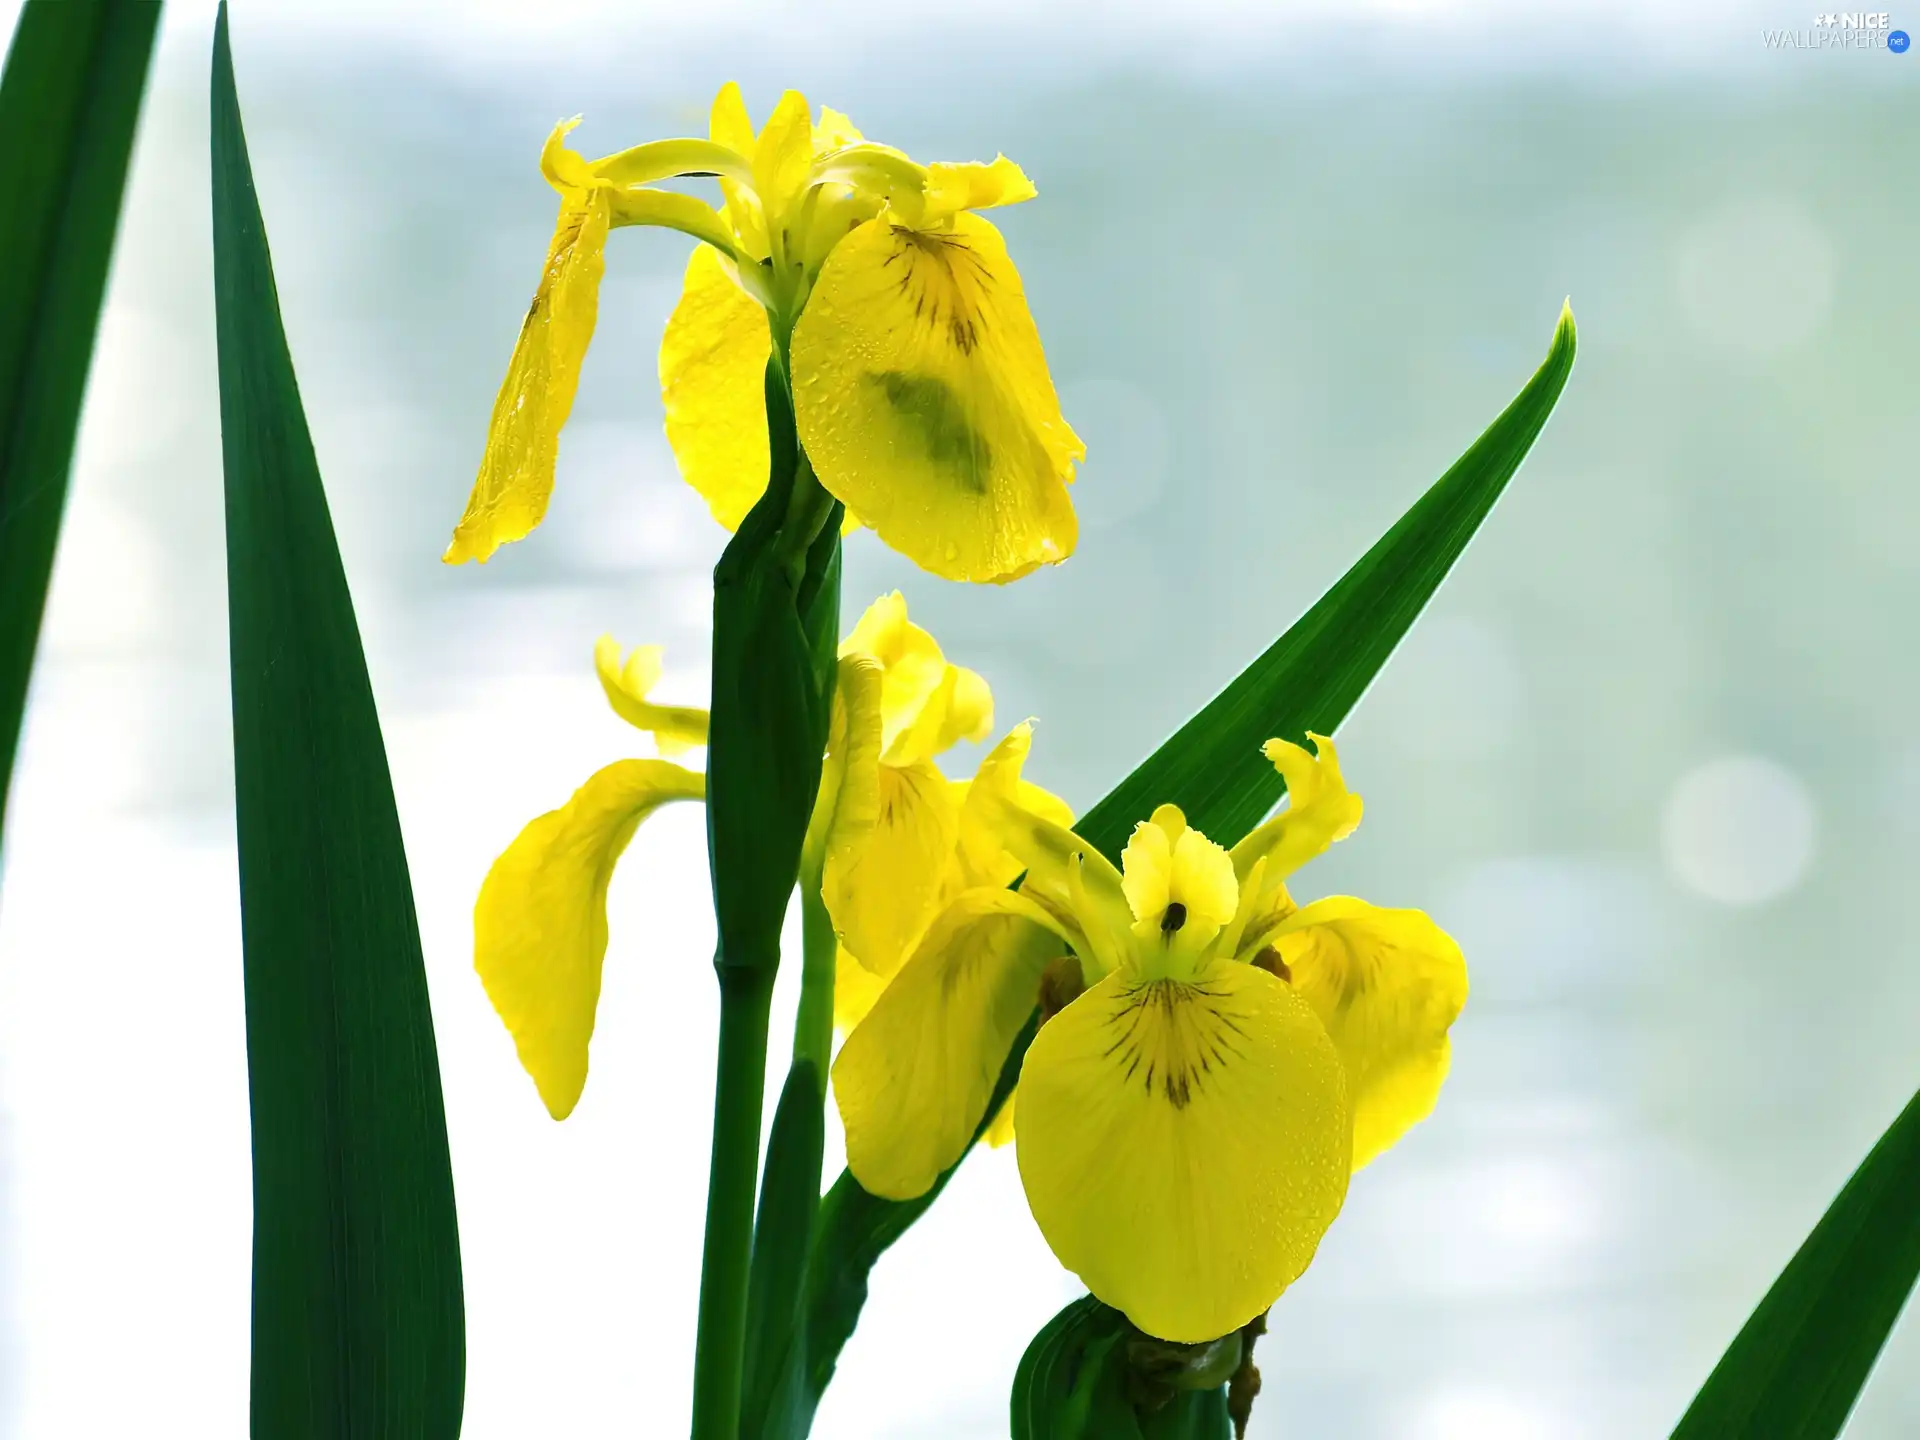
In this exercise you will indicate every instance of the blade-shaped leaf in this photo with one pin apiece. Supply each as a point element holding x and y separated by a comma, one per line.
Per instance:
<point>1798,1364</point>
<point>789,1197</point>
<point>69,99</point>
<point>357,1318</point>
<point>1213,769</point>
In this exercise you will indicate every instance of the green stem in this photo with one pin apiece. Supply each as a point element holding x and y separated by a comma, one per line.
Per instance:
<point>746,994</point>
<point>813,1025</point>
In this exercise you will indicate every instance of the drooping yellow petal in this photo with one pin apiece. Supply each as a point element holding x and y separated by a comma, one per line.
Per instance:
<point>515,482</point>
<point>1185,1146</point>
<point>1387,984</point>
<point>882,888</point>
<point>713,366</point>
<point>675,728</point>
<point>540,924</point>
<point>922,397</point>
<point>1320,810</point>
<point>913,1079</point>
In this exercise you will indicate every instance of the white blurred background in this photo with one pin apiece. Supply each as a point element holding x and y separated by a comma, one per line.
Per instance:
<point>1650,755</point>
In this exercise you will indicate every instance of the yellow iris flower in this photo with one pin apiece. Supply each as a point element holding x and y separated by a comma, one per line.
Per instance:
<point>886,834</point>
<point>920,390</point>
<point>1187,1124</point>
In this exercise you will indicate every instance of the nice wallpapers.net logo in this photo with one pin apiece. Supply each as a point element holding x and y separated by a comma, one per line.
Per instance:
<point>1863,30</point>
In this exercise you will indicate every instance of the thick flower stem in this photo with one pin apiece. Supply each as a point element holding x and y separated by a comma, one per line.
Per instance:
<point>745,997</point>
<point>813,1025</point>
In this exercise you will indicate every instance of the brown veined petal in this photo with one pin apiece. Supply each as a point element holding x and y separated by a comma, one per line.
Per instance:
<point>510,494</point>
<point>713,366</point>
<point>913,1079</point>
<point>1184,1146</point>
<point>540,924</point>
<point>922,397</point>
<point>1387,984</point>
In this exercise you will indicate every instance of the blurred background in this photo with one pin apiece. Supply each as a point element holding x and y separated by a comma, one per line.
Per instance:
<point>1651,755</point>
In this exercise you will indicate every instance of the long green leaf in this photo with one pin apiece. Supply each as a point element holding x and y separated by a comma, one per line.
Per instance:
<point>1798,1364</point>
<point>358,1328</point>
<point>1213,769</point>
<point>69,99</point>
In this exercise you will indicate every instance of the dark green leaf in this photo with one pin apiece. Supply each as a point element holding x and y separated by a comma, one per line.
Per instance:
<point>1213,769</point>
<point>357,1321</point>
<point>1310,678</point>
<point>789,1197</point>
<point>1797,1365</point>
<point>69,99</point>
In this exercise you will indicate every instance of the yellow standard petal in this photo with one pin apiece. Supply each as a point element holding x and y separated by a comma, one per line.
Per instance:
<point>675,728</point>
<point>540,924</point>
<point>515,481</point>
<point>1182,891</point>
<point>713,367</point>
<point>912,668</point>
<point>1387,984</point>
<point>913,1079</point>
<point>922,397</point>
<point>1185,1146</point>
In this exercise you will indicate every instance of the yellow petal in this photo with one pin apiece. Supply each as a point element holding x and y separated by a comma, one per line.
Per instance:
<point>849,797</point>
<point>833,131</point>
<point>1387,984</point>
<point>855,988</point>
<point>729,125</point>
<point>713,366</point>
<point>913,1079</point>
<point>783,156</point>
<point>982,859</point>
<point>1182,891</point>
<point>973,186</point>
<point>882,888</point>
<point>1063,872</point>
<point>1320,810</point>
<point>1000,1132</point>
<point>688,214</point>
<point>510,493</point>
<point>1185,1146</point>
<point>922,397</point>
<point>969,710</point>
<point>675,728</point>
<point>912,665</point>
<point>540,924</point>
